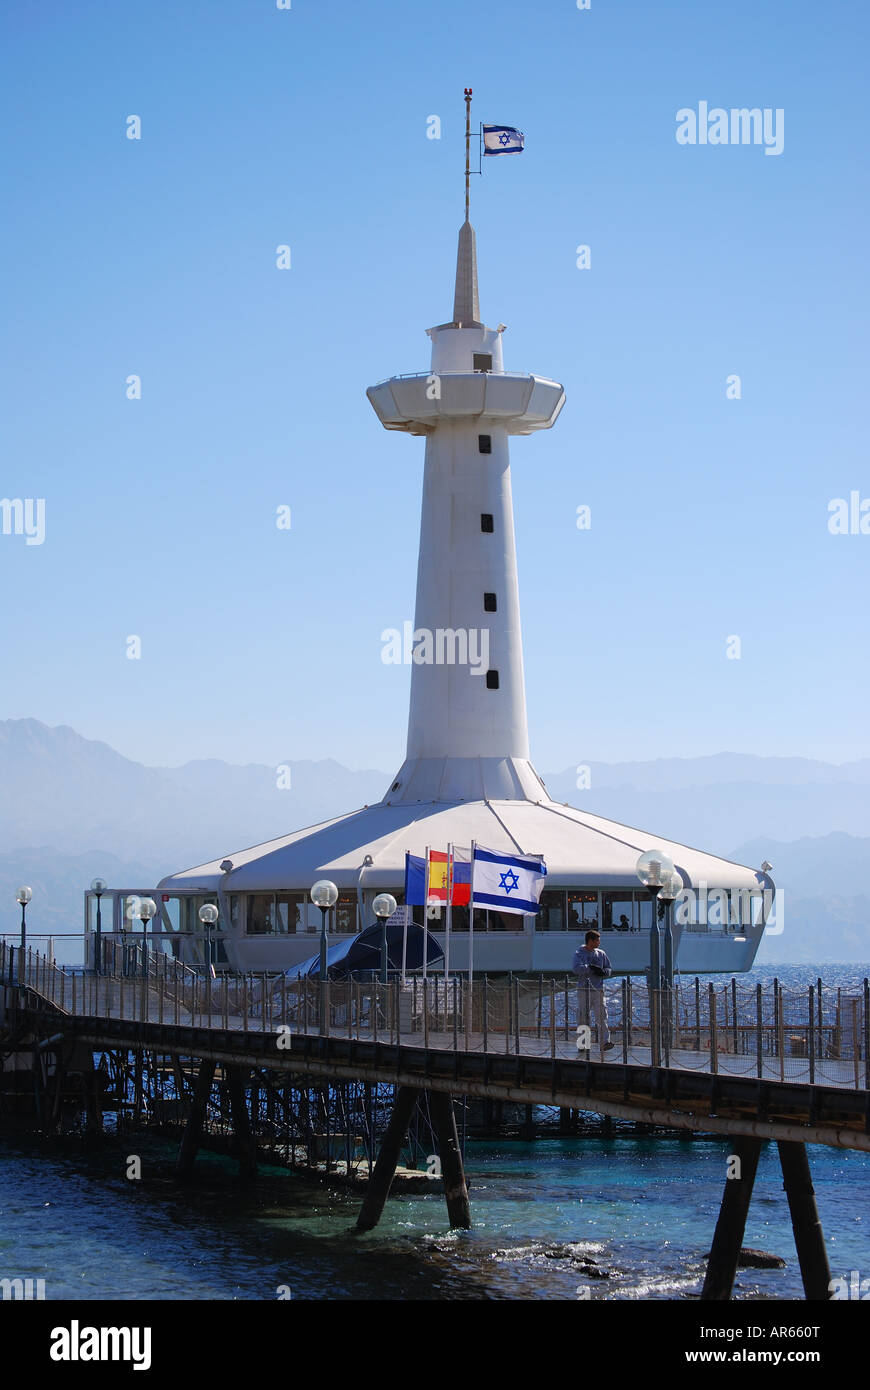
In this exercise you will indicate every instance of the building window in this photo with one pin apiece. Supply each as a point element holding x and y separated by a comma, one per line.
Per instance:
<point>694,913</point>
<point>345,914</point>
<point>286,914</point>
<point>583,909</point>
<point>483,361</point>
<point>204,943</point>
<point>492,680</point>
<point>289,913</point>
<point>552,914</point>
<point>485,920</point>
<point>484,443</point>
<point>489,603</point>
<point>620,911</point>
<point>261,919</point>
<point>486,522</point>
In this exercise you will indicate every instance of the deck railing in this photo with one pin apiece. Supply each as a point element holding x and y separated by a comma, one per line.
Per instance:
<point>820,1034</point>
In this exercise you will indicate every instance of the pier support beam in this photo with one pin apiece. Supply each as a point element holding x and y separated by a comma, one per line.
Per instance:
<point>808,1235</point>
<point>93,1110</point>
<point>195,1120</point>
<point>728,1238</point>
<point>54,1115</point>
<point>246,1147</point>
<point>388,1158</point>
<point>452,1171</point>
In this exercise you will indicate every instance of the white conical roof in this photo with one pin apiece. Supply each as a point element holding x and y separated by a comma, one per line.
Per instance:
<point>579,848</point>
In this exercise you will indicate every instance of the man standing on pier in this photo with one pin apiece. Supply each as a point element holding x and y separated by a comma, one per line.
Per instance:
<point>592,966</point>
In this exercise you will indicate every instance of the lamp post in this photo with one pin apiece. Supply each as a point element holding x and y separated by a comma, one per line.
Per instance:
<point>128,952</point>
<point>147,910</point>
<point>208,915</point>
<point>23,896</point>
<point>672,885</point>
<point>98,888</point>
<point>670,888</point>
<point>653,869</point>
<point>383,907</point>
<point>324,895</point>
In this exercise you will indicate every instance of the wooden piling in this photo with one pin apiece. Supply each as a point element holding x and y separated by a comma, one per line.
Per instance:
<point>808,1235</point>
<point>57,1098</point>
<point>246,1147</point>
<point>388,1157</point>
<point>728,1237</point>
<point>714,1037</point>
<point>93,1110</point>
<point>452,1170</point>
<point>193,1129</point>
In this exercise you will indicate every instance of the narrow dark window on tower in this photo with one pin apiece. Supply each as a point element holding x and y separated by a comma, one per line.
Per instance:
<point>483,361</point>
<point>484,443</point>
<point>492,680</point>
<point>486,521</point>
<point>489,603</point>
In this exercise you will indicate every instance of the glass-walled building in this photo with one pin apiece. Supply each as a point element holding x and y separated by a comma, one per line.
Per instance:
<point>277,930</point>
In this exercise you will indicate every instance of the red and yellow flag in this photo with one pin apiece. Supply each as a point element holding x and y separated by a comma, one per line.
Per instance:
<point>440,875</point>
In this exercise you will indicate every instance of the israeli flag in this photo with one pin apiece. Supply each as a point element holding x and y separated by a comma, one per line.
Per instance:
<point>507,882</point>
<point>502,139</point>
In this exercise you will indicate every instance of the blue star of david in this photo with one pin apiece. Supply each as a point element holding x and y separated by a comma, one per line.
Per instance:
<point>503,881</point>
<point>504,138</point>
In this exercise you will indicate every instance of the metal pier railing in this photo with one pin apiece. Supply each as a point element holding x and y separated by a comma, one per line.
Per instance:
<point>817,1036</point>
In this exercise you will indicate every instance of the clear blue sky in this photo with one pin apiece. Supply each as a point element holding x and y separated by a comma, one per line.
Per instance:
<point>308,127</point>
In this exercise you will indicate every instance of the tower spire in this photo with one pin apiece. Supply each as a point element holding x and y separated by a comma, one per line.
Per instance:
<point>467,147</point>
<point>466,306</point>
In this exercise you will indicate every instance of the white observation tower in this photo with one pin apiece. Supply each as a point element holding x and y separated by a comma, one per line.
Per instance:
<point>467,732</point>
<point>466,774</point>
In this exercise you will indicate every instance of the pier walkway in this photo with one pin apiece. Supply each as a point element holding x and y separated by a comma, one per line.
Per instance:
<point>765,1063</point>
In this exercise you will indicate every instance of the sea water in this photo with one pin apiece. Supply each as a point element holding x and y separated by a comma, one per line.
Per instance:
<point>549,1217</point>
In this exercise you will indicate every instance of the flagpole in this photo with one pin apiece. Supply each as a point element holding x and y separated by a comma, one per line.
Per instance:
<point>471,934</point>
<point>425,938</point>
<point>467,147</point>
<point>405,910</point>
<point>426,917</point>
<point>449,910</point>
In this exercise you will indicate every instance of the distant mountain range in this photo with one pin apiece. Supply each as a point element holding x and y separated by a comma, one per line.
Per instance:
<point>725,800</point>
<point>73,807</point>
<point>78,795</point>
